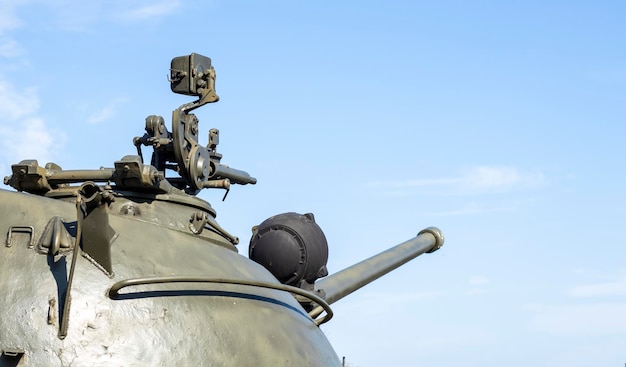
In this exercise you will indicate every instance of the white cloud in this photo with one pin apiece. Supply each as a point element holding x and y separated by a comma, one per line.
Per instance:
<point>105,113</point>
<point>478,208</point>
<point>579,319</point>
<point>151,11</point>
<point>478,179</point>
<point>477,280</point>
<point>8,47</point>
<point>24,133</point>
<point>477,284</point>
<point>81,16</point>
<point>8,17</point>
<point>475,291</point>
<point>615,287</point>
<point>442,338</point>
<point>16,104</point>
<point>486,177</point>
<point>9,21</point>
<point>369,303</point>
<point>590,313</point>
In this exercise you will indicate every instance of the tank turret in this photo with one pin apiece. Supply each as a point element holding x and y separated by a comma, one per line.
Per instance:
<point>125,265</point>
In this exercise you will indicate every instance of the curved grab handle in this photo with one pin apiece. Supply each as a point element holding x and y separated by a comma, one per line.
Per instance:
<point>114,294</point>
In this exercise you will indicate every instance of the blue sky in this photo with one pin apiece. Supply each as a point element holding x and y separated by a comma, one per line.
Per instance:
<point>502,123</point>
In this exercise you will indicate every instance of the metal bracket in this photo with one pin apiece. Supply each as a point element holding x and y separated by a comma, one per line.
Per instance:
<point>197,222</point>
<point>200,220</point>
<point>21,229</point>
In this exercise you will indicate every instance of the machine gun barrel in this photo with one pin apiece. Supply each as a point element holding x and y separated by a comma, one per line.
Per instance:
<point>234,175</point>
<point>72,176</point>
<point>341,284</point>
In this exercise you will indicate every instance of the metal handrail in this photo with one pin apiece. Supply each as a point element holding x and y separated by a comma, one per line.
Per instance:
<point>114,294</point>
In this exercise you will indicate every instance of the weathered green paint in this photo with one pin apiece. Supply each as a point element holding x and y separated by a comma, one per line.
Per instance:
<point>205,325</point>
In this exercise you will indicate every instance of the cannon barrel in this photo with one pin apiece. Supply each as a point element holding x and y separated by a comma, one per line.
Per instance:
<point>346,281</point>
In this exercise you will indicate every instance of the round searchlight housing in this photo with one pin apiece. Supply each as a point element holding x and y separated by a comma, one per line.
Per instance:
<point>292,247</point>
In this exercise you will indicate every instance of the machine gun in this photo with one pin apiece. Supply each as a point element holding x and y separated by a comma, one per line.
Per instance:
<point>197,167</point>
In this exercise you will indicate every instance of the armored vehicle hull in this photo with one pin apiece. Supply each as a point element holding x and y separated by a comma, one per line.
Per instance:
<point>171,323</point>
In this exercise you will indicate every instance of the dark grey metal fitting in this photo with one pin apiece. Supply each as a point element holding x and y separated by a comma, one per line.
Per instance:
<point>436,232</point>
